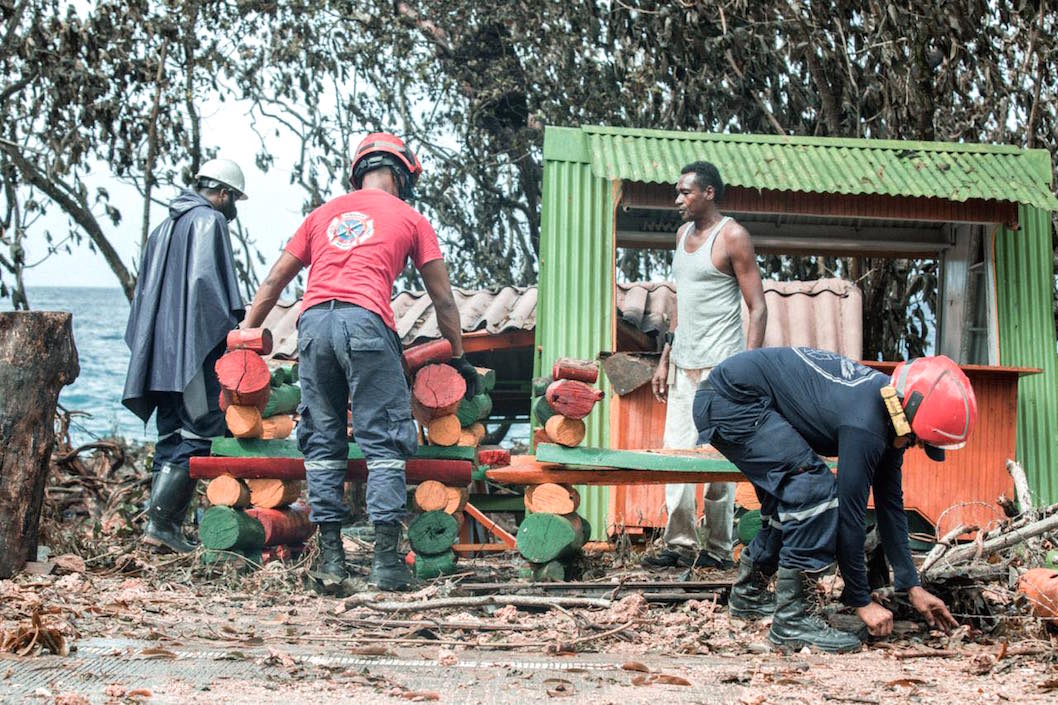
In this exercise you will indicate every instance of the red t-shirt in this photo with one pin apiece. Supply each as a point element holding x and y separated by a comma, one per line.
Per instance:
<point>356,246</point>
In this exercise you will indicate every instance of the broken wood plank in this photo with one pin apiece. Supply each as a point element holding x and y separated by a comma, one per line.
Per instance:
<point>365,600</point>
<point>491,526</point>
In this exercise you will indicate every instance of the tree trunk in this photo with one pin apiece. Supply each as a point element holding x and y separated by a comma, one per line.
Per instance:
<point>37,359</point>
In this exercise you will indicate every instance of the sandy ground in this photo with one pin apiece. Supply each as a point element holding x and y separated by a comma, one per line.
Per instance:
<point>149,629</point>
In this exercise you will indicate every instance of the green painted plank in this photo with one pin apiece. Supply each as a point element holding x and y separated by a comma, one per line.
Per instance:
<point>631,459</point>
<point>288,448</point>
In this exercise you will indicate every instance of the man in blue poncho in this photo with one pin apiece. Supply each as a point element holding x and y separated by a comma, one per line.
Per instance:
<point>187,299</point>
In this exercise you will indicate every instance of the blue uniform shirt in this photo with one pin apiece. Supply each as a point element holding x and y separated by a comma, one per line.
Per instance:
<point>836,406</point>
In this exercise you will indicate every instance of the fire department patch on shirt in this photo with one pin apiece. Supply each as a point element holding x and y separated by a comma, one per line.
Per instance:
<point>350,230</point>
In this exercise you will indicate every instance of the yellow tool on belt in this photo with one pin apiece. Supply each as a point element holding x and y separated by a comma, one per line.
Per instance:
<point>896,410</point>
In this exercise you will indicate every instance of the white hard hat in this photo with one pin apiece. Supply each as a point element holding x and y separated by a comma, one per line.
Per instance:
<point>226,172</point>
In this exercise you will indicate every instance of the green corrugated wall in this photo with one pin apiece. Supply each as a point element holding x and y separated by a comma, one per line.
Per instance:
<point>575,305</point>
<point>1024,286</point>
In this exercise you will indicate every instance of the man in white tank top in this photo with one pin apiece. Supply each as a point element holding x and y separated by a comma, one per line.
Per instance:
<point>714,267</point>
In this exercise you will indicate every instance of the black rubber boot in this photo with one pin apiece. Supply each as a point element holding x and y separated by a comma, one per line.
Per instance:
<point>389,572</point>
<point>329,574</point>
<point>171,491</point>
<point>751,598</point>
<point>798,621</point>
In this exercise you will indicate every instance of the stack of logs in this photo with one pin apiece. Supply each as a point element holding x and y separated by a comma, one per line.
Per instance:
<point>563,400</point>
<point>433,532</point>
<point>254,520</point>
<point>256,403</point>
<point>552,533</point>
<point>438,404</point>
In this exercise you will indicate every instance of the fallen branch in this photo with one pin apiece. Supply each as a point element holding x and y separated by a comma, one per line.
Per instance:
<point>958,653</point>
<point>481,601</point>
<point>943,545</point>
<point>1021,487</point>
<point>1006,540</point>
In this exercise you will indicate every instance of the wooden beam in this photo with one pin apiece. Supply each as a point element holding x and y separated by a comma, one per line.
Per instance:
<point>483,341</point>
<point>286,448</point>
<point>450,472</point>
<point>537,473</point>
<point>675,462</point>
<point>491,526</point>
<point>835,205</point>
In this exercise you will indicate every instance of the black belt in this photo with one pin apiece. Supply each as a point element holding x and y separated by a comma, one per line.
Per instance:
<point>332,305</point>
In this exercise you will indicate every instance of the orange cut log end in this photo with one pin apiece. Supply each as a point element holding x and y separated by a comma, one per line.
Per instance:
<point>431,496</point>
<point>244,421</point>
<point>227,491</point>
<point>565,431</point>
<point>270,493</point>
<point>443,430</point>
<point>277,427</point>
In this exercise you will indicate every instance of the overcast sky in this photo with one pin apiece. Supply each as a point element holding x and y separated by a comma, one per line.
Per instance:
<point>271,214</point>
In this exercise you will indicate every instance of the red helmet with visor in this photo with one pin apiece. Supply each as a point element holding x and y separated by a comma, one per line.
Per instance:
<point>938,401</point>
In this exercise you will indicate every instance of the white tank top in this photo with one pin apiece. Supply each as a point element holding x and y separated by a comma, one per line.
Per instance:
<point>708,307</point>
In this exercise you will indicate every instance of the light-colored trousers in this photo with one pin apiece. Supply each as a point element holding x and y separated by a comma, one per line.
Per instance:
<point>680,432</point>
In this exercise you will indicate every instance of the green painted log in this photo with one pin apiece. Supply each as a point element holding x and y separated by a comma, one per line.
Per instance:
<point>542,410</point>
<point>249,559</point>
<point>280,376</point>
<point>288,448</point>
<point>226,529</point>
<point>428,567</point>
<point>749,526</point>
<point>540,385</point>
<point>294,373</point>
<point>543,537</point>
<point>284,399</point>
<point>550,572</point>
<point>474,409</point>
<point>486,378</point>
<point>433,533</point>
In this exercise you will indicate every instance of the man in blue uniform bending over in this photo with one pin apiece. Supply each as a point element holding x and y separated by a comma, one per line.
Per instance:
<point>773,412</point>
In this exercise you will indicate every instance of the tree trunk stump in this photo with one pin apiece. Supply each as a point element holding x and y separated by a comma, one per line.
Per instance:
<point>37,359</point>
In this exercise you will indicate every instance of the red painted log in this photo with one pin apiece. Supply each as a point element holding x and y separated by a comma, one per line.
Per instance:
<point>283,527</point>
<point>438,390</point>
<point>580,370</point>
<point>493,455</point>
<point>456,473</point>
<point>421,355</point>
<point>571,398</point>
<point>245,376</point>
<point>258,340</point>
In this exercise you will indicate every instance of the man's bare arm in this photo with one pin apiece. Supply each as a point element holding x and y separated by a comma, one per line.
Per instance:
<point>744,264</point>
<point>435,277</point>
<point>285,269</point>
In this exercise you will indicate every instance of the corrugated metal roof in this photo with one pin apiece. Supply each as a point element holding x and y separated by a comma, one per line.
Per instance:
<point>495,311</point>
<point>825,313</point>
<point>951,171</point>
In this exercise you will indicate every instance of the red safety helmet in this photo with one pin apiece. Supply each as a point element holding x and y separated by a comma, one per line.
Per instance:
<point>384,149</point>
<point>938,401</point>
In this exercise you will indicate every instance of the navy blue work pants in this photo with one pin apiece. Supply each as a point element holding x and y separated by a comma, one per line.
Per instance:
<point>797,492</point>
<point>347,353</point>
<point>181,435</point>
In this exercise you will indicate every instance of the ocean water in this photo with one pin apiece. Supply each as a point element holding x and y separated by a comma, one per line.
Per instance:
<point>99,317</point>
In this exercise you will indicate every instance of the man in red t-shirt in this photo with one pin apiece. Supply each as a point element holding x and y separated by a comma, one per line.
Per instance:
<point>355,247</point>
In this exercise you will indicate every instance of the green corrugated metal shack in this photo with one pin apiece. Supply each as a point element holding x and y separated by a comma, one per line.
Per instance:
<point>983,210</point>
